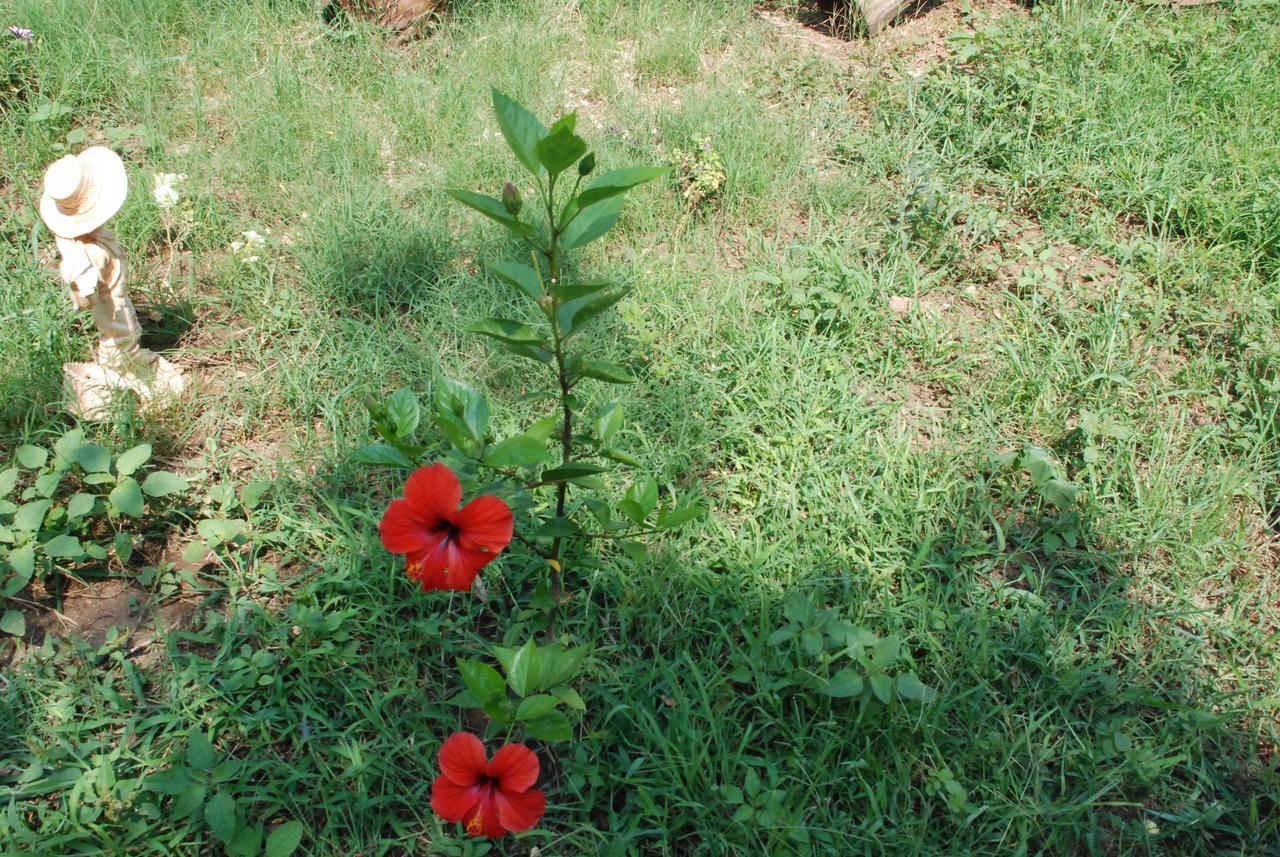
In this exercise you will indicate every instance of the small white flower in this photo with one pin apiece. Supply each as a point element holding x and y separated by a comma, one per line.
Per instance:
<point>249,250</point>
<point>166,189</point>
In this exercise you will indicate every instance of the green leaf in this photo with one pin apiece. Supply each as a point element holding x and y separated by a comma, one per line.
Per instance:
<point>80,505</point>
<point>885,653</point>
<point>521,129</point>
<point>123,543</point>
<point>680,515</point>
<point>882,687</point>
<point>94,551</point>
<point>30,516</point>
<point>66,446</point>
<point>620,457</point>
<point>46,484</point>
<point>610,184</point>
<point>162,483</point>
<point>561,148</point>
<point>482,680</point>
<point>844,684</point>
<point>23,561</point>
<point>569,697</point>
<point>640,500</point>
<point>603,370</point>
<point>591,223</point>
<point>94,458</point>
<point>552,726</point>
<point>559,665</point>
<point>31,457</point>
<point>284,840</point>
<point>251,493</point>
<point>200,753</point>
<point>571,316</point>
<point>189,800</point>
<point>217,531</point>
<point>404,412</point>
<point>8,479</point>
<point>63,547</point>
<point>127,463</point>
<point>381,455</point>
<point>170,781</point>
<point>490,208</point>
<point>570,472</point>
<point>542,429</point>
<point>536,706</point>
<point>556,528</point>
<point>910,687</point>
<point>13,622</point>
<point>220,815</point>
<point>246,841</point>
<point>522,277</point>
<point>518,451</point>
<point>127,498</point>
<point>1060,493</point>
<point>462,414</point>
<point>609,421</point>
<point>506,330</point>
<point>525,671</point>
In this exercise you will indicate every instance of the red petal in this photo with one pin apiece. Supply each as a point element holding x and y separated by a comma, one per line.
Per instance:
<point>462,758</point>
<point>433,493</point>
<point>484,820</point>
<point>430,575</point>
<point>486,524</point>
<point>464,565</point>
<point>402,531</point>
<point>515,767</point>
<point>453,802</point>
<point>521,811</point>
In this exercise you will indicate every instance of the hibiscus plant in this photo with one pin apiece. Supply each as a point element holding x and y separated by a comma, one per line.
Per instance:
<point>554,488</point>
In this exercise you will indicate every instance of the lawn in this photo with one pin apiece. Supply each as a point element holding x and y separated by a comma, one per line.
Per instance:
<point>974,349</point>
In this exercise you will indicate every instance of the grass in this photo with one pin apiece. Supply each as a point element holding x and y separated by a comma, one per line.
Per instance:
<point>1069,241</point>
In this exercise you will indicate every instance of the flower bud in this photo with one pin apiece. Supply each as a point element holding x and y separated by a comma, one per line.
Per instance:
<point>587,164</point>
<point>511,199</point>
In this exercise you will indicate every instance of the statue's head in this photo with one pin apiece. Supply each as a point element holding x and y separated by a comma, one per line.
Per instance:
<point>82,192</point>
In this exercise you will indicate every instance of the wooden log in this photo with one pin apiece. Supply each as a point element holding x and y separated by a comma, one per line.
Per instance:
<point>880,13</point>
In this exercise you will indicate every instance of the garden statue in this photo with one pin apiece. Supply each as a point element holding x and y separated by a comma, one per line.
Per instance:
<point>81,193</point>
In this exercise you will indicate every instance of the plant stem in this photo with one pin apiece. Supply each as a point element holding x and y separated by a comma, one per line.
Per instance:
<point>566,429</point>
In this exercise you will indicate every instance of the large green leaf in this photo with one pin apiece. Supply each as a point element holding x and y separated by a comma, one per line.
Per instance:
<point>507,330</point>
<point>63,547</point>
<point>561,148</point>
<point>518,451</point>
<point>844,683</point>
<point>610,184</point>
<point>162,483</point>
<point>484,682</point>
<point>490,208</point>
<point>462,414</point>
<point>285,839</point>
<point>523,277</point>
<point>127,463</point>
<point>552,726</point>
<point>592,222</point>
<point>573,314</point>
<point>31,457</point>
<point>8,479</point>
<point>404,412</point>
<point>30,516</point>
<point>536,706</point>
<point>381,455</point>
<point>13,622</point>
<point>127,497</point>
<point>220,815</point>
<point>602,370</point>
<point>521,129</point>
<point>526,669</point>
<point>94,458</point>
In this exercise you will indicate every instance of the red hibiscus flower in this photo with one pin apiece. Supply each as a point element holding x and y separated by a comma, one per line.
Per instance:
<point>446,546</point>
<point>492,798</point>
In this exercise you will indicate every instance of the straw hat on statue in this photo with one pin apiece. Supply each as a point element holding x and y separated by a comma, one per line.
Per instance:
<point>82,192</point>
